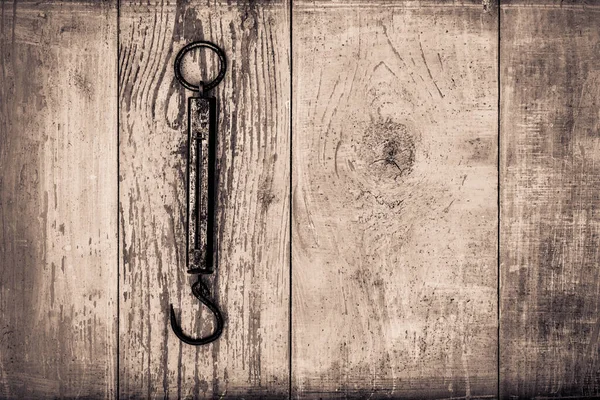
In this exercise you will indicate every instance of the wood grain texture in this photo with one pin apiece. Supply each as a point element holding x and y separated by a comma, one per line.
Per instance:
<point>58,199</point>
<point>252,243</point>
<point>394,200</point>
<point>550,177</point>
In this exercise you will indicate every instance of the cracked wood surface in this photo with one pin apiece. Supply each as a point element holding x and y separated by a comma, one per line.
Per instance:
<point>393,212</point>
<point>394,200</point>
<point>252,242</point>
<point>58,200</point>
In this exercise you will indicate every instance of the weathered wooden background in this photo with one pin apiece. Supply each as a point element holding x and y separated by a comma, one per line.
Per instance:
<point>407,202</point>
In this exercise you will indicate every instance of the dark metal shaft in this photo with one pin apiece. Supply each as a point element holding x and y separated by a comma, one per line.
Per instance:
<point>201,175</point>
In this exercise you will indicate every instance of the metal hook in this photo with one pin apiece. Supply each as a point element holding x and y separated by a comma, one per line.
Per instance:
<point>201,165</point>
<point>200,290</point>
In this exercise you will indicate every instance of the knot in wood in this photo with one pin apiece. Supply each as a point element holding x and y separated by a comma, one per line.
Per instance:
<point>389,149</point>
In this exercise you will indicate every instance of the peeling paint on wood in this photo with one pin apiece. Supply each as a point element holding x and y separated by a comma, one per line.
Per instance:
<point>252,244</point>
<point>394,200</point>
<point>58,204</point>
<point>550,238</point>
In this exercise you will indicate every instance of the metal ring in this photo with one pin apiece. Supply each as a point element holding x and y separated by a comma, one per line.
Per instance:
<point>195,45</point>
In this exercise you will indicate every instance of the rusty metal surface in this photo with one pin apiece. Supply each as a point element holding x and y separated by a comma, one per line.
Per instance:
<point>201,166</point>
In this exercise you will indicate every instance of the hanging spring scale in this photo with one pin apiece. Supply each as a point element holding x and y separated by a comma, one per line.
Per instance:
<point>201,160</point>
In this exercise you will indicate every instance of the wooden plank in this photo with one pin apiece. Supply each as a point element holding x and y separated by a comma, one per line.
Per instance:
<point>394,200</point>
<point>550,224</point>
<point>58,199</point>
<point>252,244</point>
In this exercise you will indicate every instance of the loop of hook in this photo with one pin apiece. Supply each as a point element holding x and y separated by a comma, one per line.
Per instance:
<point>203,86</point>
<point>200,290</point>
